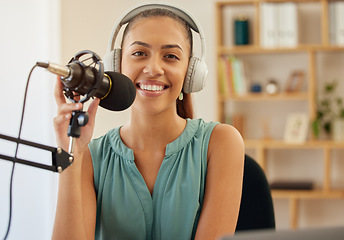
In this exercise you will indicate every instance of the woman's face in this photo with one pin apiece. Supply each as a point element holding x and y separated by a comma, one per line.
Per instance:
<point>155,56</point>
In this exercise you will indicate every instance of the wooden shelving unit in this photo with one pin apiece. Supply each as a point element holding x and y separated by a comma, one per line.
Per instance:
<point>266,97</point>
<point>310,50</point>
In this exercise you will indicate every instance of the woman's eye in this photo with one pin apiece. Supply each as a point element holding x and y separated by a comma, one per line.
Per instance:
<point>139,54</point>
<point>172,56</point>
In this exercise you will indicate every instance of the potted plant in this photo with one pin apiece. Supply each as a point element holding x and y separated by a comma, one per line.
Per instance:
<point>330,113</point>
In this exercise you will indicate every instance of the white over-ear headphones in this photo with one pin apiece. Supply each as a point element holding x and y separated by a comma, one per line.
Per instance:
<point>197,69</point>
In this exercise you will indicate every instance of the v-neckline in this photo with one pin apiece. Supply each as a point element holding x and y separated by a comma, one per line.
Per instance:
<point>171,148</point>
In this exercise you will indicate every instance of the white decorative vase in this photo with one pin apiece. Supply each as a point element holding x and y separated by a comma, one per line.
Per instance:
<point>338,129</point>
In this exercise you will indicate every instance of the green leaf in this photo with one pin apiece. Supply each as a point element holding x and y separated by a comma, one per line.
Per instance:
<point>316,128</point>
<point>341,113</point>
<point>327,127</point>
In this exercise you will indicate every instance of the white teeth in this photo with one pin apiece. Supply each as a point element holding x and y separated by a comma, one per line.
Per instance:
<point>151,87</point>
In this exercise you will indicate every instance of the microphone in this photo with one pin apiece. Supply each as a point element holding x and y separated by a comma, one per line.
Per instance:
<point>116,91</point>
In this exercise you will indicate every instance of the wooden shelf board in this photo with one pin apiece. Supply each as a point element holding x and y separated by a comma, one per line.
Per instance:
<point>253,49</point>
<point>233,2</point>
<point>307,194</point>
<point>280,144</point>
<point>267,97</point>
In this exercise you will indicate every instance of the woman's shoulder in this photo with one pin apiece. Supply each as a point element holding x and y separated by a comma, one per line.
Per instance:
<point>226,131</point>
<point>200,125</point>
<point>105,142</point>
<point>218,134</point>
<point>219,130</point>
<point>227,138</point>
<point>109,136</point>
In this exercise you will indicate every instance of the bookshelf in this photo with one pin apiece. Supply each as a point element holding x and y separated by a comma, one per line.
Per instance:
<point>314,46</point>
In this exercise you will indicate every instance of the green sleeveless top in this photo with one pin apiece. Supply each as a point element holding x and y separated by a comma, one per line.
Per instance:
<point>125,207</point>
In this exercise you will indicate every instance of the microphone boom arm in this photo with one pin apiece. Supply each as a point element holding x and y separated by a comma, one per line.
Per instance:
<point>60,158</point>
<point>88,70</point>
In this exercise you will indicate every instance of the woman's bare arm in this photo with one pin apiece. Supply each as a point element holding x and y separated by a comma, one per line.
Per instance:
<point>76,205</point>
<point>223,184</point>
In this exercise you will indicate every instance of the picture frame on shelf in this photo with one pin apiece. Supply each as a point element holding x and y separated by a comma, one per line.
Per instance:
<point>295,82</point>
<point>296,129</point>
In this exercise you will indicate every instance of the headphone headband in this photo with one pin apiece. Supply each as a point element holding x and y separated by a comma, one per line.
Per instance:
<point>127,17</point>
<point>180,13</point>
<point>197,69</point>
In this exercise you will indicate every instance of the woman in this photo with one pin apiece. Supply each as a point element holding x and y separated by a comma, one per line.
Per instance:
<point>161,175</point>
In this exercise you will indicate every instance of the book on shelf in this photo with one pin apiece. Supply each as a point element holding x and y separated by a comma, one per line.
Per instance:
<point>288,24</point>
<point>232,76</point>
<point>336,22</point>
<point>279,24</point>
<point>223,89</point>
<point>332,22</point>
<point>340,20</point>
<point>268,25</point>
<point>292,185</point>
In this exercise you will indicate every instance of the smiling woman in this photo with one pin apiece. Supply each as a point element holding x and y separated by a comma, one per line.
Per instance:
<point>161,175</point>
<point>149,60</point>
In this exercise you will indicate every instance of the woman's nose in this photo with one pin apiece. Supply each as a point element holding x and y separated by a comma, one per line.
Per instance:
<point>154,66</point>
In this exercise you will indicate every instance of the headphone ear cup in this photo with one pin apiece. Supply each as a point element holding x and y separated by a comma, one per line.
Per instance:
<point>117,60</point>
<point>112,60</point>
<point>195,76</point>
<point>108,61</point>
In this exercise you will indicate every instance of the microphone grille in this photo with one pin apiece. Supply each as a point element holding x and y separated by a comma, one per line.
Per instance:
<point>122,93</point>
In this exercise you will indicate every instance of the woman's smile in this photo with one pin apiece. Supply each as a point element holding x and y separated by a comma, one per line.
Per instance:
<point>151,88</point>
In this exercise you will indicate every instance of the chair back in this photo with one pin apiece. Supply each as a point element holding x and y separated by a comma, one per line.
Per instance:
<point>256,207</point>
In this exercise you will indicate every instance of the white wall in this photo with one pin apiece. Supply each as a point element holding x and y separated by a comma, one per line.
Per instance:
<point>29,33</point>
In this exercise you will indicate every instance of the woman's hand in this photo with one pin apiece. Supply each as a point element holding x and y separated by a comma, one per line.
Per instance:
<point>64,114</point>
<point>76,205</point>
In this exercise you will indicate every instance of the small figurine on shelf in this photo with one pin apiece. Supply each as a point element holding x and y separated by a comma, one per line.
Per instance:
<point>272,87</point>
<point>256,88</point>
<point>241,32</point>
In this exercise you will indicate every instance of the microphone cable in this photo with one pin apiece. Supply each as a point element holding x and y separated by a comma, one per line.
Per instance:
<point>16,152</point>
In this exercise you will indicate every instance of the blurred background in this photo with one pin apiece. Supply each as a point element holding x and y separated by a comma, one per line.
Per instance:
<point>55,30</point>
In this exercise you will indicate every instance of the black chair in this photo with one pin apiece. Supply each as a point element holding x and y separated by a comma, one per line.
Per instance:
<point>256,208</point>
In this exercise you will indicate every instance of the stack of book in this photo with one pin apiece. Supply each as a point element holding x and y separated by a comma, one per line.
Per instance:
<point>279,24</point>
<point>232,77</point>
<point>292,185</point>
<point>336,23</point>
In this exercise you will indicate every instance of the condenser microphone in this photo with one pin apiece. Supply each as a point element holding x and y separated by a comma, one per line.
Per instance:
<point>116,91</point>
<point>121,94</point>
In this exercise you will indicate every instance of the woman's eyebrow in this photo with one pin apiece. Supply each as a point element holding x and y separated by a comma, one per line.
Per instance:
<point>141,43</point>
<point>167,46</point>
